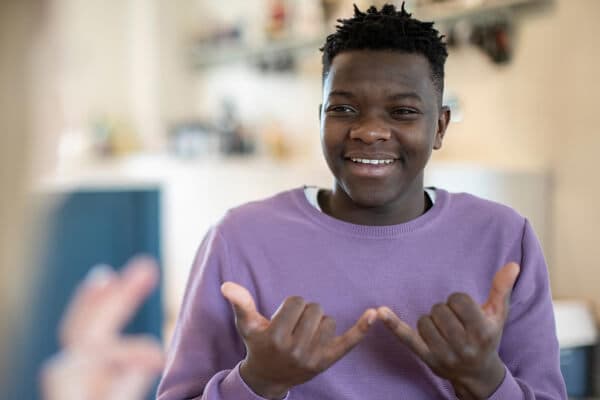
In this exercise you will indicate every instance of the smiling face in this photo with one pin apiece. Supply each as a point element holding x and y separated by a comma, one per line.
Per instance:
<point>380,120</point>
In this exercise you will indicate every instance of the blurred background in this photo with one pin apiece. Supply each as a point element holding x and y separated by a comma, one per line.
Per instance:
<point>131,126</point>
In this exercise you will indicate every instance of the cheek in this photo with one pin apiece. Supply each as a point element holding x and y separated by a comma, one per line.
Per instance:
<point>417,146</point>
<point>332,137</point>
<point>423,137</point>
<point>322,128</point>
<point>416,139</point>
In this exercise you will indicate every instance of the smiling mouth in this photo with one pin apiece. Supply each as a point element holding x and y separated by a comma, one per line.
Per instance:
<point>369,161</point>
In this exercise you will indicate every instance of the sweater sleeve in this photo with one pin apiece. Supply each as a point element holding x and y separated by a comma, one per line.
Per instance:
<point>529,347</point>
<point>205,352</point>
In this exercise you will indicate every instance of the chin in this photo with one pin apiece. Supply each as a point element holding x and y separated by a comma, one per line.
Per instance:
<point>371,197</point>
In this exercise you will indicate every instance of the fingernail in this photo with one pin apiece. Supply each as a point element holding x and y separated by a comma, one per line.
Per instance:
<point>387,315</point>
<point>99,275</point>
<point>224,289</point>
<point>371,318</point>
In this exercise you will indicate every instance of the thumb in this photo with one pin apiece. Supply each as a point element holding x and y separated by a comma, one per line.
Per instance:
<point>247,318</point>
<point>342,344</point>
<point>498,301</point>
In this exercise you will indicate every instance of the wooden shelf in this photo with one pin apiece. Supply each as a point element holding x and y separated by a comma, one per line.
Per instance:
<point>453,11</point>
<point>203,56</point>
<point>446,12</point>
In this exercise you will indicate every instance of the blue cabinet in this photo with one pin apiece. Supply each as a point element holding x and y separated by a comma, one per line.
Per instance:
<point>576,368</point>
<point>87,228</point>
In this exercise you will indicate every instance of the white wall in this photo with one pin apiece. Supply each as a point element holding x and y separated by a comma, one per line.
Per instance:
<point>508,109</point>
<point>576,144</point>
<point>97,59</point>
<point>542,111</point>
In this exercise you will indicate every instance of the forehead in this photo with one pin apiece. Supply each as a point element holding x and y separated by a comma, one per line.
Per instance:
<point>380,70</point>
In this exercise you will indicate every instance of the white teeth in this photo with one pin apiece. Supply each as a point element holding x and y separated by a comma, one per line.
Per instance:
<point>367,161</point>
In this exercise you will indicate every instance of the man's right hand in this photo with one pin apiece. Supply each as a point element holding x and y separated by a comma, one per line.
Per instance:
<point>298,343</point>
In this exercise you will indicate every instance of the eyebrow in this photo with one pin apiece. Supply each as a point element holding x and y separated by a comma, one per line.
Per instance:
<point>406,96</point>
<point>395,96</point>
<point>341,93</point>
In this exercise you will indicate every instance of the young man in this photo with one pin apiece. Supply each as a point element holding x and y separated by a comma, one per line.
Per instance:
<point>436,268</point>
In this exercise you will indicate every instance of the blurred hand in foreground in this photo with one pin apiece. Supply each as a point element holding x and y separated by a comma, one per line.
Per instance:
<point>96,361</point>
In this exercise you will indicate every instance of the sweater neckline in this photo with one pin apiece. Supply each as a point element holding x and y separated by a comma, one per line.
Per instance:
<point>370,231</point>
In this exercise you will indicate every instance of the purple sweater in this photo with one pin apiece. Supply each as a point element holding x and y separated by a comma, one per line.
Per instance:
<point>283,246</point>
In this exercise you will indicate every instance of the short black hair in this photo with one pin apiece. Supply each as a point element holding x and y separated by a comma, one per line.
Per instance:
<point>388,29</point>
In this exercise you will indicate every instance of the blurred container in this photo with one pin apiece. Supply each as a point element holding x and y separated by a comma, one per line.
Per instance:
<point>194,140</point>
<point>114,137</point>
<point>577,336</point>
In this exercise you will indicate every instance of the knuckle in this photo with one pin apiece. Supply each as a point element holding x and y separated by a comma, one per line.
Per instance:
<point>486,337</point>
<point>454,333</point>
<point>438,308</point>
<point>280,343</point>
<point>482,336</point>
<point>328,323</point>
<point>458,299</point>
<point>480,333</point>
<point>297,355</point>
<point>468,353</point>
<point>313,365</point>
<point>315,307</point>
<point>294,300</point>
<point>423,322</point>
<point>450,359</point>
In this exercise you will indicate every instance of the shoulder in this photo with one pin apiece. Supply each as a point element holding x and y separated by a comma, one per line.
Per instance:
<point>261,215</point>
<point>474,210</point>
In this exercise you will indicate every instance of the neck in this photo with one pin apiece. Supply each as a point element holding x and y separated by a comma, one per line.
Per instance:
<point>409,205</point>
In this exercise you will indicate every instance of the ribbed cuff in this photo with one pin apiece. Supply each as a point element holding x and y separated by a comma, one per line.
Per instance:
<point>234,387</point>
<point>509,389</point>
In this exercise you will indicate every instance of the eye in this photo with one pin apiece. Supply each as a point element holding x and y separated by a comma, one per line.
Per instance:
<point>404,113</point>
<point>340,110</point>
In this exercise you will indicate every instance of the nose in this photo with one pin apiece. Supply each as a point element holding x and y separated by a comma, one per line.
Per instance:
<point>370,130</point>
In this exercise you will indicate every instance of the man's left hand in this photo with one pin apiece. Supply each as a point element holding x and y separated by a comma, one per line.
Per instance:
<point>459,339</point>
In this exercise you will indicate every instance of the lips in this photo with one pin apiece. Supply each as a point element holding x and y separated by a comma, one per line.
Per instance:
<point>372,161</point>
<point>370,165</point>
<point>371,156</point>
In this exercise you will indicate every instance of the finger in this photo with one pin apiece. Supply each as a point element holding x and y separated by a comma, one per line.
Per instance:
<point>287,316</point>
<point>138,279</point>
<point>308,325</point>
<point>136,362</point>
<point>326,331</point>
<point>448,324</point>
<point>404,332</point>
<point>498,301</point>
<point>69,376</point>
<point>342,344</point>
<point>100,280</point>
<point>439,347</point>
<point>133,384</point>
<point>135,352</point>
<point>467,311</point>
<point>90,372</point>
<point>117,305</point>
<point>247,318</point>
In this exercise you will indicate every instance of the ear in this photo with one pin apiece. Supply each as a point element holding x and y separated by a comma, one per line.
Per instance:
<point>320,110</point>
<point>442,125</point>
